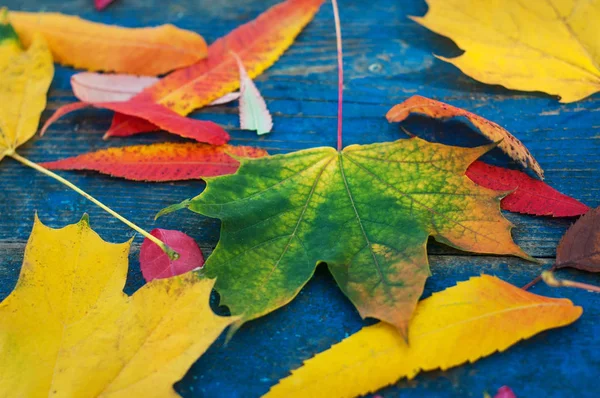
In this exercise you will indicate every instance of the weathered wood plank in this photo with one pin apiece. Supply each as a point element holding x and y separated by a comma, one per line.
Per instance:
<point>387,59</point>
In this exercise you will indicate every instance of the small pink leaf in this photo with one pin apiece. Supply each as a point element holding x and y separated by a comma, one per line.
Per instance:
<point>505,392</point>
<point>102,4</point>
<point>254,114</point>
<point>155,264</point>
<point>106,87</point>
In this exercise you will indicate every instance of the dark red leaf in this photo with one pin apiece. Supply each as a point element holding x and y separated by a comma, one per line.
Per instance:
<point>123,126</point>
<point>530,196</point>
<point>580,246</point>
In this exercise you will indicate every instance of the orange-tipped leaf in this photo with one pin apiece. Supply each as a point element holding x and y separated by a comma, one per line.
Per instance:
<point>161,162</point>
<point>432,108</point>
<point>94,46</point>
<point>258,43</point>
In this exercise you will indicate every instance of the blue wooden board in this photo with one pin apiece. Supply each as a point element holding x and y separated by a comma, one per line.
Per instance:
<point>387,59</point>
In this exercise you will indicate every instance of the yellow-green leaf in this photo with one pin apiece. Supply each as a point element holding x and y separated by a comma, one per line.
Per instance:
<point>366,211</point>
<point>24,80</point>
<point>68,330</point>
<point>548,45</point>
<point>466,322</point>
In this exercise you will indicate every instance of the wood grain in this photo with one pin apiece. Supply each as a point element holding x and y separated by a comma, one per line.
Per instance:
<point>388,58</point>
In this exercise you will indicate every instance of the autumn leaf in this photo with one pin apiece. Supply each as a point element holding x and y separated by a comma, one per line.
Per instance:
<point>506,141</point>
<point>155,264</point>
<point>102,87</point>
<point>505,392</point>
<point>68,329</point>
<point>94,46</point>
<point>466,322</point>
<point>114,87</point>
<point>259,44</point>
<point>161,162</point>
<point>527,195</point>
<point>24,79</point>
<point>547,46</point>
<point>176,162</point>
<point>105,90</point>
<point>254,114</point>
<point>124,126</point>
<point>366,211</point>
<point>102,4</point>
<point>580,246</point>
<point>163,118</point>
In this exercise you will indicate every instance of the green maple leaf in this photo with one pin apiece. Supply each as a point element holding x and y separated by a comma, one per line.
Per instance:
<point>366,211</point>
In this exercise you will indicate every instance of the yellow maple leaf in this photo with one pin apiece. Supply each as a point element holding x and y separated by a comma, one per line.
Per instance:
<point>550,46</point>
<point>69,330</point>
<point>24,80</point>
<point>461,324</point>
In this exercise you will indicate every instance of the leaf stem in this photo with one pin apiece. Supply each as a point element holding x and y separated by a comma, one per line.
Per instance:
<point>551,280</point>
<point>170,252</point>
<point>340,57</point>
<point>537,279</point>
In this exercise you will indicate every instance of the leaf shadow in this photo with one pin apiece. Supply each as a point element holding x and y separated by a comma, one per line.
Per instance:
<point>457,132</point>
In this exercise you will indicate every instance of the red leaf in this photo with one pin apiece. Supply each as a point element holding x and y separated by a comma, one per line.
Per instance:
<point>530,196</point>
<point>505,392</point>
<point>102,4</point>
<point>60,112</point>
<point>161,162</point>
<point>123,126</point>
<point>164,118</point>
<point>155,263</point>
<point>259,43</point>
